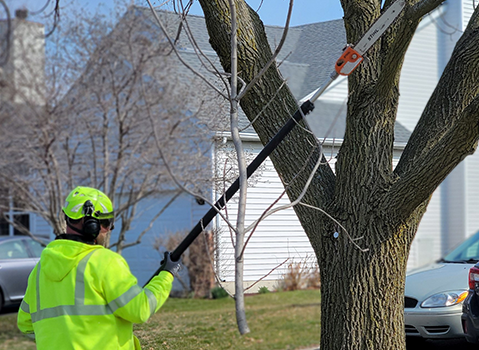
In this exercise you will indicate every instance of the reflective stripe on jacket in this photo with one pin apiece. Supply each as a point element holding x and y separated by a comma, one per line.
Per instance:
<point>82,296</point>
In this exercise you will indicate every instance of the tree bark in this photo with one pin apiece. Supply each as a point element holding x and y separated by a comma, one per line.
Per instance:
<point>379,209</point>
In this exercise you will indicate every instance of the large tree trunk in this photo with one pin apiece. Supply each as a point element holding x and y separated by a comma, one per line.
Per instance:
<point>362,268</point>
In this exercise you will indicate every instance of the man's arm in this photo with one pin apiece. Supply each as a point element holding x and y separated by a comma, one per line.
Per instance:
<point>24,318</point>
<point>129,300</point>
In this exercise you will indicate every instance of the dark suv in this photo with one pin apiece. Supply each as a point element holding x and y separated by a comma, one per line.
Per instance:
<point>470,307</point>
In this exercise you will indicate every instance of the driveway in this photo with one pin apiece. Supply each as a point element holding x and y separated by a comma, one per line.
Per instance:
<point>454,344</point>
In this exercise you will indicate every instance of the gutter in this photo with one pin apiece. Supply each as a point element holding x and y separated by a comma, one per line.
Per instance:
<point>225,136</point>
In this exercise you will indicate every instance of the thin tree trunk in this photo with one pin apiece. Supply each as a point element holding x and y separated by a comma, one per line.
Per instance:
<point>243,183</point>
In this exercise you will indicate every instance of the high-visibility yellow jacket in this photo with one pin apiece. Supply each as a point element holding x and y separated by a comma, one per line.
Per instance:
<point>82,296</point>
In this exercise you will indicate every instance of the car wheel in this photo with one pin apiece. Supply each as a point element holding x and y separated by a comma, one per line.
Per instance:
<point>413,343</point>
<point>1,300</point>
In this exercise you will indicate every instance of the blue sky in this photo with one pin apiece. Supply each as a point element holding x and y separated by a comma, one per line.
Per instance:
<point>272,12</point>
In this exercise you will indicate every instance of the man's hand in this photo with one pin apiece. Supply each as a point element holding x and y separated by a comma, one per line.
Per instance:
<point>168,265</point>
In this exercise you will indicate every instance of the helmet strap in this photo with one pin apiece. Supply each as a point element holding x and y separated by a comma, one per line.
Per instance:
<point>88,237</point>
<point>71,226</point>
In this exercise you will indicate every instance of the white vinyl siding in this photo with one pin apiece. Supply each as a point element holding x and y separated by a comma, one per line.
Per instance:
<point>427,245</point>
<point>280,236</point>
<point>450,25</point>
<point>276,239</point>
<point>452,213</point>
<point>337,91</point>
<point>419,74</point>
<point>454,208</point>
<point>472,194</point>
<point>467,11</point>
<point>40,227</point>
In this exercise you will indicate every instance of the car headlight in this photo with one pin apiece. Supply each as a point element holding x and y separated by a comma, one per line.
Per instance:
<point>445,299</point>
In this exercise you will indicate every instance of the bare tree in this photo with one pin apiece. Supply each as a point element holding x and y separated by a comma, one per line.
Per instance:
<point>373,206</point>
<point>98,131</point>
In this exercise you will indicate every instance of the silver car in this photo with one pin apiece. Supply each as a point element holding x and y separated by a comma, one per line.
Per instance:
<point>434,294</point>
<point>18,256</point>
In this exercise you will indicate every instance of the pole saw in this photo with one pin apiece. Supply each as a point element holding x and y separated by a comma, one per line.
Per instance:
<point>350,59</point>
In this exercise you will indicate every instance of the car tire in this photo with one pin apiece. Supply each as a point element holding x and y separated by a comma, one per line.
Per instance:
<point>1,300</point>
<point>413,343</point>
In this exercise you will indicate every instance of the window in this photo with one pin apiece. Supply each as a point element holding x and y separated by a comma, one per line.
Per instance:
<point>35,247</point>
<point>4,227</point>
<point>20,219</point>
<point>13,250</point>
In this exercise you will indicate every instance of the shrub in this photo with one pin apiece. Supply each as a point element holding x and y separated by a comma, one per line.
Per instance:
<point>263,290</point>
<point>301,275</point>
<point>218,293</point>
<point>196,260</point>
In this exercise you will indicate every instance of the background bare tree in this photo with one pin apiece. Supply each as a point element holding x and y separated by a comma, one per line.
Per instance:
<point>378,207</point>
<point>99,130</point>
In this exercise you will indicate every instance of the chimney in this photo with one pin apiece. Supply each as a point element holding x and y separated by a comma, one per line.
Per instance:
<point>21,13</point>
<point>23,45</point>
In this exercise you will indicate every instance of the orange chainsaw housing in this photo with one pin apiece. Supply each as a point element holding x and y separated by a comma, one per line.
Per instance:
<point>348,61</point>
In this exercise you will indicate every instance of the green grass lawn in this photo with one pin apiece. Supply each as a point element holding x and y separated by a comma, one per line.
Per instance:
<point>283,321</point>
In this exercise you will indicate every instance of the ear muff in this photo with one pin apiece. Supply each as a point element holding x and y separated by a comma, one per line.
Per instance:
<point>91,225</point>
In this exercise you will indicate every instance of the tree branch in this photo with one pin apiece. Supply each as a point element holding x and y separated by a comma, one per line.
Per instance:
<point>456,89</point>
<point>273,58</point>
<point>417,185</point>
<point>173,46</point>
<point>422,8</point>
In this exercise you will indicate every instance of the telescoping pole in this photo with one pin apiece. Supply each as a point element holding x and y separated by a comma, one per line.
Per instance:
<point>306,108</point>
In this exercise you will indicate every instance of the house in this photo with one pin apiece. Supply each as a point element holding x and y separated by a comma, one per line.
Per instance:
<point>279,239</point>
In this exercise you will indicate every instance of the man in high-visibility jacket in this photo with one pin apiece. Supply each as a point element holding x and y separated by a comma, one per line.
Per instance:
<point>82,295</point>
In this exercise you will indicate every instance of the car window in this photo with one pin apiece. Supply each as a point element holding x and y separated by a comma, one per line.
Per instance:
<point>469,250</point>
<point>13,250</point>
<point>35,247</point>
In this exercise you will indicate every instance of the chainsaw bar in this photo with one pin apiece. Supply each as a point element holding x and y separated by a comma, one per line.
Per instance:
<point>379,27</point>
<point>353,54</point>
